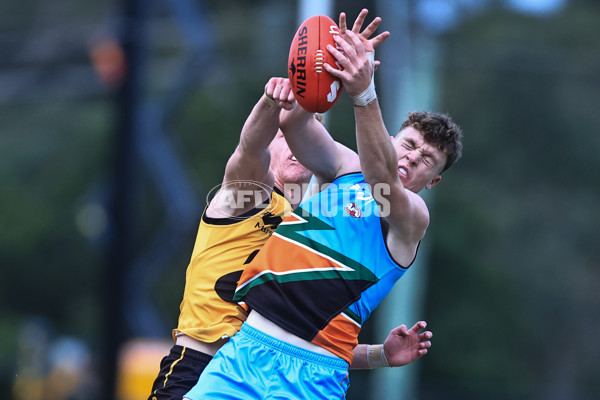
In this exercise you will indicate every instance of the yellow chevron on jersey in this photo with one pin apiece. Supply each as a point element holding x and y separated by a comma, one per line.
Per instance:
<point>222,247</point>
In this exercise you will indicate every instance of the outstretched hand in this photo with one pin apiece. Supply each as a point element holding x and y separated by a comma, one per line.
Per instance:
<point>368,43</point>
<point>365,36</point>
<point>403,346</point>
<point>355,53</point>
<point>280,91</point>
<point>357,69</point>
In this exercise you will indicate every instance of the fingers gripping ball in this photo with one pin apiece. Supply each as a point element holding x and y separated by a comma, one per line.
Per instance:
<point>315,89</point>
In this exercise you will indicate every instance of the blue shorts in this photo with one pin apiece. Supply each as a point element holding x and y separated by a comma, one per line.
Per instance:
<point>254,365</point>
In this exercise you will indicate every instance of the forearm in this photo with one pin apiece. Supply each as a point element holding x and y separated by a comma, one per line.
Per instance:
<point>360,361</point>
<point>249,163</point>
<point>310,142</point>
<point>378,158</point>
<point>260,127</point>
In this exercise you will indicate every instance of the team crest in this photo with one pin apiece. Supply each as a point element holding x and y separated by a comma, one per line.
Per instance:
<point>353,210</point>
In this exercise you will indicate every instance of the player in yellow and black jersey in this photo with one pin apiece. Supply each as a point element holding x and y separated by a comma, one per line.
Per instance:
<point>260,177</point>
<point>263,182</point>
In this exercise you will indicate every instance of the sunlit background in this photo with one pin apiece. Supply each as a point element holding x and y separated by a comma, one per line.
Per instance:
<point>117,119</point>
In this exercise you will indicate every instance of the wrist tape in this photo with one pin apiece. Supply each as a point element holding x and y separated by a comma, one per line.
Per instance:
<point>376,356</point>
<point>368,95</point>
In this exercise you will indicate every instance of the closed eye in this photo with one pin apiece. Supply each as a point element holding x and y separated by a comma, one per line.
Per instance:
<point>429,159</point>
<point>409,144</point>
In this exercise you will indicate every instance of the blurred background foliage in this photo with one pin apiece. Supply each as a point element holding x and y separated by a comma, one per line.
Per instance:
<point>512,289</point>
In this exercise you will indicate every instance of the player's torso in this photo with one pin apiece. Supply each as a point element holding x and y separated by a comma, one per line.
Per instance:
<point>326,267</point>
<point>222,248</point>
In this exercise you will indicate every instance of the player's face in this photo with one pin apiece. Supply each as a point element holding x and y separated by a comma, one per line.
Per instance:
<point>419,163</point>
<point>284,165</point>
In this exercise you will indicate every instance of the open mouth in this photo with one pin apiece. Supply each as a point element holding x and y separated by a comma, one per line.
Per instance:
<point>293,158</point>
<point>403,172</point>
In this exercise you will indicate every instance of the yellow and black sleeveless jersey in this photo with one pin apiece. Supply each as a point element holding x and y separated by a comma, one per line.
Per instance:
<point>223,246</point>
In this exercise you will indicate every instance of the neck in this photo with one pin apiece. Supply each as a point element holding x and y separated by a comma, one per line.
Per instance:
<point>293,191</point>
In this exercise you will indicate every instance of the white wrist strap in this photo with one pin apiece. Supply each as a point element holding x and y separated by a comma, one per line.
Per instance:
<point>376,356</point>
<point>368,95</point>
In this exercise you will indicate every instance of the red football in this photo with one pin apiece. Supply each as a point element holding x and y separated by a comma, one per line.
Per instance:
<point>316,90</point>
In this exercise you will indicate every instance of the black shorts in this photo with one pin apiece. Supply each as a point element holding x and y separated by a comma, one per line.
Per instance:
<point>179,372</point>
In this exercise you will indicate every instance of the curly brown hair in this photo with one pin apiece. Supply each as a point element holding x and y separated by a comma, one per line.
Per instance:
<point>438,130</point>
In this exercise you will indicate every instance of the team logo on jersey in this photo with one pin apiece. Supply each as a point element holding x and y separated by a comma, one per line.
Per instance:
<point>353,210</point>
<point>270,222</point>
<point>270,219</point>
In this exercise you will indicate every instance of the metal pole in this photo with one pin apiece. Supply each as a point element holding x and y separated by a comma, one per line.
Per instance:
<point>120,211</point>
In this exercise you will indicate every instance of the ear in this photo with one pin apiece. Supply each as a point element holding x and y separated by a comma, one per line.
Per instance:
<point>433,182</point>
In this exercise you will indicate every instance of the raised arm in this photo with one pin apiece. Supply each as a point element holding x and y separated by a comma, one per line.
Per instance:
<point>247,169</point>
<point>312,144</point>
<point>308,139</point>
<point>406,212</point>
